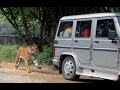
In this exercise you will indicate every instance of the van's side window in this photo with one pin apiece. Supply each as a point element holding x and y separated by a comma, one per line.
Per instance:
<point>83,28</point>
<point>103,26</point>
<point>65,29</point>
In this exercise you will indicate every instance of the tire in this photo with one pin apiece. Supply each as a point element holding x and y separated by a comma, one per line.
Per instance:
<point>69,69</point>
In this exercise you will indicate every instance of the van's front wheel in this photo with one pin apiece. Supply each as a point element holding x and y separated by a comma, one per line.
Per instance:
<point>69,69</point>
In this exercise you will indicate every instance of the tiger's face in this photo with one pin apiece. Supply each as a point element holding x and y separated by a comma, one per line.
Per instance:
<point>32,50</point>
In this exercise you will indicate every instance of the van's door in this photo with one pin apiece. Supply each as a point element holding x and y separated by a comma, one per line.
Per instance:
<point>63,39</point>
<point>104,52</point>
<point>82,41</point>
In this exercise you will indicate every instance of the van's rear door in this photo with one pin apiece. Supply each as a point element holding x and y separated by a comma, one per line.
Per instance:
<point>63,38</point>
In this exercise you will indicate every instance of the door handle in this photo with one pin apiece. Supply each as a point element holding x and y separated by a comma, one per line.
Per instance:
<point>114,41</point>
<point>96,41</point>
<point>75,41</point>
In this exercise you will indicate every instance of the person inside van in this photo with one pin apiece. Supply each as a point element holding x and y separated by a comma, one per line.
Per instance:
<point>85,28</point>
<point>69,28</point>
<point>100,29</point>
<point>86,33</point>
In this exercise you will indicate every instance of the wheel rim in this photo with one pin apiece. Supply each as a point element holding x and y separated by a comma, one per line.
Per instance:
<point>68,68</point>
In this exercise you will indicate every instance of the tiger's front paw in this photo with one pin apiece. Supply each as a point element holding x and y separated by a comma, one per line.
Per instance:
<point>15,68</point>
<point>28,71</point>
<point>38,67</point>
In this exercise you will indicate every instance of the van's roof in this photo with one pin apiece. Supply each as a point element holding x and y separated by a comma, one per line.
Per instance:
<point>89,15</point>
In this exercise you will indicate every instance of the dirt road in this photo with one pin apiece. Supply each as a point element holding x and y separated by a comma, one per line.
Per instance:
<point>45,75</point>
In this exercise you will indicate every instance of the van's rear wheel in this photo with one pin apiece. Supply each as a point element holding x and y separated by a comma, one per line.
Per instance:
<point>69,69</point>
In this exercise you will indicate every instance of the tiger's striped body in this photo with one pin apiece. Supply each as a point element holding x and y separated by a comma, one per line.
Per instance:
<point>26,54</point>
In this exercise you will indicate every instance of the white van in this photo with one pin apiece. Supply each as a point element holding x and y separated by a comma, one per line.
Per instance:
<point>88,44</point>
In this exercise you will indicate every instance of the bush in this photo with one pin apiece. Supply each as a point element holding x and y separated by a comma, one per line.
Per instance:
<point>45,57</point>
<point>8,52</point>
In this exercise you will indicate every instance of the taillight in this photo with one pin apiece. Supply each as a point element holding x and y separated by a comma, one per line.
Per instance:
<point>53,51</point>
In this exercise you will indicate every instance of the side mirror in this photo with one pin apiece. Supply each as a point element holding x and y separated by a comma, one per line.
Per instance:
<point>111,34</point>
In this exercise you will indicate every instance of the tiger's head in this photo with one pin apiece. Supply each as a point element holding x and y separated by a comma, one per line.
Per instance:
<point>32,50</point>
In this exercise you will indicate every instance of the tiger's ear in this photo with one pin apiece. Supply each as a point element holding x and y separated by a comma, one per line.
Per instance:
<point>35,46</point>
<point>30,45</point>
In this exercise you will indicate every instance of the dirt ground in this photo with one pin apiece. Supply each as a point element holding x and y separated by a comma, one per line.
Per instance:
<point>46,74</point>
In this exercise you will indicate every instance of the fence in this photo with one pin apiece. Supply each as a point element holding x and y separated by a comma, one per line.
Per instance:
<point>8,40</point>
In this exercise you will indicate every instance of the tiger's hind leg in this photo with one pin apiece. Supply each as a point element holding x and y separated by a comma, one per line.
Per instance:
<point>17,63</point>
<point>27,66</point>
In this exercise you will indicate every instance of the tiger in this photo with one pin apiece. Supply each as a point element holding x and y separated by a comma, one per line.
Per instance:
<point>26,54</point>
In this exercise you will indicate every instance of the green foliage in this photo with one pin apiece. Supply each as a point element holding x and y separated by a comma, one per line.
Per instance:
<point>8,52</point>
<point>45,57</point>
<point>5,27</point>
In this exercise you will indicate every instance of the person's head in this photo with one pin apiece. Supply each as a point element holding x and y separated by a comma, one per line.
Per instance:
<point>67,25</point>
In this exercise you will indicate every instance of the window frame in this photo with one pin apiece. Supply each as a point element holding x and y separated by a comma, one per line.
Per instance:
<point>59,26</point>
<point>80,20</point>
<point>95,28</point>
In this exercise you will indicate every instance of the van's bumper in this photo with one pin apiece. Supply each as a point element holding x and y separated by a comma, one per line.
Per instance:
<point>55,62</point>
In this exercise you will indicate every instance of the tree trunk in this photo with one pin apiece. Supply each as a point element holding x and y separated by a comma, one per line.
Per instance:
<point>25,26</point>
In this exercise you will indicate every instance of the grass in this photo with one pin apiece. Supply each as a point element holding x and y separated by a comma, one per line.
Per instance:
<point>8,52</point>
